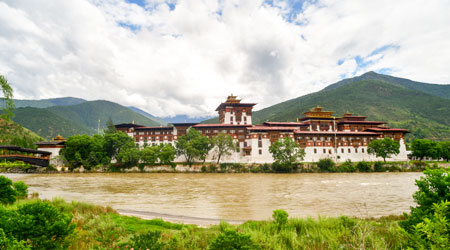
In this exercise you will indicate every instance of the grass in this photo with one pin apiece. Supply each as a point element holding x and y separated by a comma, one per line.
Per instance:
<point>99,227</point>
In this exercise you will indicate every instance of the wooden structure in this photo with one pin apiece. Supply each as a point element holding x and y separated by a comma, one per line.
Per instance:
<point>32,156</point>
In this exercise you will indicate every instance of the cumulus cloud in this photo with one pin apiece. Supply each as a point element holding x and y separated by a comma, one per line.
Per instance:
<point>185,57</point>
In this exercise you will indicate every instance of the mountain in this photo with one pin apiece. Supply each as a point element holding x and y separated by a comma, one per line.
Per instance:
<point>425,114</point>
<point>185,118</point>
<point>432,89</point>
<point>45,103</point>
<point>81,118</point>
<point>149,116</point>
<point>48,124</point>
<point>12,133</point>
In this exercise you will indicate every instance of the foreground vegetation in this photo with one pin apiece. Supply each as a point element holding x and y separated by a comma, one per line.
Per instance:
<point>57,224</point>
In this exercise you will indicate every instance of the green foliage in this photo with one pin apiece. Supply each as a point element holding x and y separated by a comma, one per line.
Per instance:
<point>115,142</point>
<point>7,192</point>
<point>280,217</point>
<point>39,223</point>
<point>433,189</point>
<point>85,150</point>
<point>444,148</point>
<point>422,148</point>
<point>379,167</point>
<point>347,166</point>
<point>110,127</point>
<point>12,133</point>
<point>326,165</point>
<point>434,231</point>
<point>150,240</point>
<point>223,144</point>
<point>233,240</point>
<point>7,243</point>
<point>7,98</point>
<point>166,154</point>
<point>193,145</point>
<point>129,155</point>
<point>384,148</point>
<point>21,189</point>
<point>364,166</point>
<point>286,152</point>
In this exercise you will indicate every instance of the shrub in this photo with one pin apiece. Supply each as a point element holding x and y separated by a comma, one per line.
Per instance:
<point>11,243</point>
<point>41,224</point>
<point>278,167</point>
<point>433,189</point>
<point>150,240</point>
<point>364,166</point>
<point>232,240</point>
<point>433,232</point>
<point>204,169</point>
<point>379,167</point>
<point>21,189</point>
<point>280,217</point>
<point>347,166</point>
<point>326,165</point>
<point>7,192</point>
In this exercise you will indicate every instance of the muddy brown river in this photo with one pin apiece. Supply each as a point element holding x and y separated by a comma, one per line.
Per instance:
<point>234,196</point>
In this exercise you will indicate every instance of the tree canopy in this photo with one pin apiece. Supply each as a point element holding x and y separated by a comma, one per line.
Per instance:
<point>286,152</point>
<point>7,97</point>
<point>384,148</point>
<point>223,145</point>
<point>193,145</point>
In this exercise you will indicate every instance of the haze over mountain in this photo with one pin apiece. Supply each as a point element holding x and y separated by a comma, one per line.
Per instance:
<point>422,108</point>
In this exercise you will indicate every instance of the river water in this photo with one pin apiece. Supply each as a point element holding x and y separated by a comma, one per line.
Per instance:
<point>235,196</point>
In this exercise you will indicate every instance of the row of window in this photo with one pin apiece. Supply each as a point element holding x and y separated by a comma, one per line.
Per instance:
<point>155,133</point>
<point>342,150</point>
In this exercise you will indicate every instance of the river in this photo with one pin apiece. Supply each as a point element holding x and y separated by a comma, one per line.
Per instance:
<point>233,196</point>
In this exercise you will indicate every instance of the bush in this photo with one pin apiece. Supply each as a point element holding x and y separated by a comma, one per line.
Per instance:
<point>11,243</point>
<point>39,223</point>
<point>433,189</point>
<point>7,192</point>
<point>232,240</point>
<point>379,167</point>
<point>326,165</point>
<point>150,240</point>
<point>204,169</point>
<point>280,217</point>
<point>347,166</point>
<point>21,189</point>
<point>364,166</point>
<point>278,167</point>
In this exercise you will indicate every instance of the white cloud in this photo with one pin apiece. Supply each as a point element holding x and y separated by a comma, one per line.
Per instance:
<point>187,60</point>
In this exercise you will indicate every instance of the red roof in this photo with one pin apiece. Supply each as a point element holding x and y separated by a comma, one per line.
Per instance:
<point>362,122</point>
<point>261,127</point>
<point>333,132</point>
<point>389,129</point>
<point>287,123</point>
<point>221,125</point>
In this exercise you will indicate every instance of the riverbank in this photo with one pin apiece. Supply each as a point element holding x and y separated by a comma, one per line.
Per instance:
<point>307,167</point>
<point>100,227</point>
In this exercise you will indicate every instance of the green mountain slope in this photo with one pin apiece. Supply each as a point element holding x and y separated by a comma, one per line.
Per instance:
<point>425,115</point>
<point>45,103</point>
<point>48,124</point>
<point>12,133</point>
<point>432,89</point>
<point>149,116</point>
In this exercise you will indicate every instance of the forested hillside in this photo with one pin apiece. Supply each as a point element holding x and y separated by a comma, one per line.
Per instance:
<point>12,133</point>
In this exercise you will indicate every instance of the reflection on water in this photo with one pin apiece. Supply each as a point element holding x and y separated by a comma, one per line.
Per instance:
<point>235,196</point>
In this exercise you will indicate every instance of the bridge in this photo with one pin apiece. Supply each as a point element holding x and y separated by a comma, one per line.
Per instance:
<point>31,156</point>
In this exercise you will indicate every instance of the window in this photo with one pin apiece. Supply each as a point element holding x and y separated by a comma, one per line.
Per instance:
<point>349,151</point>
<point>224,131</point>
<point>215,131</point>
<point>362,150</point>
<point>232,131</point>
<point>260,152</point>
<point>259,144</point>
<point>259,137</point>
<point>324,151</point>
<point>342,150</point>
<point>329,151</point>
<point>315,151</point>
<point>356,150</point>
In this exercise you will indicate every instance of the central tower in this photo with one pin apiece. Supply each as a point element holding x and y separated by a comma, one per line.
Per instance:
<point>232,111</point>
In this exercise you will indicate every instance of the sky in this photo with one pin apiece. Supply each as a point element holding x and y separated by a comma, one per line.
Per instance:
<point>186,56</point>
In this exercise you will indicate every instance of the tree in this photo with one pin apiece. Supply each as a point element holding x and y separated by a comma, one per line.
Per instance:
<point>445,150</point>
<point>7,192</point>
<point>115,142</point>
<point>7,98</point>
<point>129,155</point>
<point>21,189</point>
<point>110,128</point>
<point>422,148</point>
<point>384,148</point>
<point>286,151</point>
<point>193,145</point>
<point>149,155</point>
<point>85,150</point>
<point>223,144</point>
<point>432,189</point>
<point>166,154</point>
